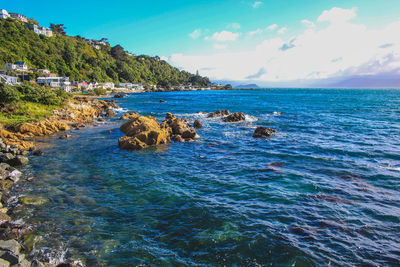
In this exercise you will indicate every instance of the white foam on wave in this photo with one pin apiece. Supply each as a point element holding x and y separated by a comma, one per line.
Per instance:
<point>120,109</point>
<point>390,168</point>
<point>250,118</point>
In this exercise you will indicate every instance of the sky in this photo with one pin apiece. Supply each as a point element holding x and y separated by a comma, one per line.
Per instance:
<point>267,42</point>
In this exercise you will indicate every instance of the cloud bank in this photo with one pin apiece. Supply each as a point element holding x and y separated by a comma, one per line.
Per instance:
<point>333,48</point>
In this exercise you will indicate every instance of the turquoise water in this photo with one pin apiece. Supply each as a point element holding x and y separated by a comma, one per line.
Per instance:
<point>324,191</point>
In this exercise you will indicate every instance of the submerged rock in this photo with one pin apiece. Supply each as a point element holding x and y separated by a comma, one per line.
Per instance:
<point>38,152</point>
<point>235,117</point>
<point>33,200</point>
<point>219,113</point>
<point>120,95</point>
<point>65,136</point>
<point>264,132</point>
<point>197,124</point>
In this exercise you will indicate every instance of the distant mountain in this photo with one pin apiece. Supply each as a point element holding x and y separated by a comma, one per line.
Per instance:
<point>247,86</point>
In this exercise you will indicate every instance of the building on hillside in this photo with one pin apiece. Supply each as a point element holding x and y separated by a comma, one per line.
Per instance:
<point>106,85</point>
<point>4,14</point>
<point>21,66</point>
<point>19,17</point>
<point>126,85</point>
<point>17,66</point>
<point>43,71</point>
<point>11,80</point>
<point>55,82</point>
<point>40,30</point>
<point>85,85</point>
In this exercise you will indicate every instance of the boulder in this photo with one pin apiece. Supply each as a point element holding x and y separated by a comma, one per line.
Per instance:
<point>33,200</point>
<point>235,117</point>
<point>197,124</point>
<point>46,127</point>
<point>120,95</point>
<point>181,127</point>
<point>10,245</point>
<point>4,263</point>
<point>4,217</point>
<point>65,136</point>
<point>38,152</point>
<point>142,132</point>
<point>264,132</point>
<point>15,175</point>
<point>129,116</point>
<point>110,113</point>
<point>162,101</point>
<point>18,161</point>
<point>219,113</point>
<point>5,184</point>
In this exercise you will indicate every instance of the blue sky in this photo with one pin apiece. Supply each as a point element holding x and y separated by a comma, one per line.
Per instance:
<point>184,31</point>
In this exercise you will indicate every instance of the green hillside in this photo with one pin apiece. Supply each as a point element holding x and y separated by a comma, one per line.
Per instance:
<point>74,58</point>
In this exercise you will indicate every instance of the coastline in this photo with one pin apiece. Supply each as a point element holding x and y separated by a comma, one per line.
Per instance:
<point>17,145</point>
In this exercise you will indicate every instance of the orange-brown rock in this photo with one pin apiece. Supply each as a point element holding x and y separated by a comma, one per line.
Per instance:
<point>180,127</point>
<point>42,128</point>
<point>142,132</point>
<point>129,116</point>
<point>16,139</point>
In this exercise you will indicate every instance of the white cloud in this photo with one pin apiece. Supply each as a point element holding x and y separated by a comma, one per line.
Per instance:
<point>308,23</point>
<point>255,32</point>
<point>282,30</point>
<point>220,46</point>
<point>272,27</point>
<point>338,15</point>
<point>223,36</point>
<point>257,4</point>
<point>339,48</point>
<point>195,34</point>
<point>234,26</point>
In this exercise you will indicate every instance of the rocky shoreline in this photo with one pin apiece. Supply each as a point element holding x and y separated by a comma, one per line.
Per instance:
<point>17,143</point>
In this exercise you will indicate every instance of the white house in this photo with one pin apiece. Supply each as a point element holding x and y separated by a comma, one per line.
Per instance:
<point>106,85</point>
<point>40,30</point>
<point>55,82</point>
<point>19,17</point>
<point>11,80</point>
<point>4,14</point>
<point>126,85</point>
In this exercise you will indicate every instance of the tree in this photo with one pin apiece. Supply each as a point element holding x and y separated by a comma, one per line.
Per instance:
<point>228,87</point>
<point>58,28</point>
<point>118,52</point>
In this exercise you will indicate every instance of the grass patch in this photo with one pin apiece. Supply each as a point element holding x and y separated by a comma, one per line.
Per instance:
<point>24,112</point>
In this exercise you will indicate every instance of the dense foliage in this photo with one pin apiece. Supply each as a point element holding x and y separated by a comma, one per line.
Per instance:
<point>75,58</point>
<point>31,93</point>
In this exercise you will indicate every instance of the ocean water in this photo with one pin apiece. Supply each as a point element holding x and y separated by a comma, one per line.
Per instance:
<point>325,191</point>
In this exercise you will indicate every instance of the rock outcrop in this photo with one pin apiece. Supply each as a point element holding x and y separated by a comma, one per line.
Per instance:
<point>110,113</point>
<point>129,116</point>
<point>78,111</point>
<point>235,117</point>
<point>264,132</point>
<point>144,131</point>
<point>197,124</point>
<point>219,113</point>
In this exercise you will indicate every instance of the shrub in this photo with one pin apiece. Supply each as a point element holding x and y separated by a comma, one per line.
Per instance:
<point>8,94</point>
<point>43,95</point>
<point>99,91</point>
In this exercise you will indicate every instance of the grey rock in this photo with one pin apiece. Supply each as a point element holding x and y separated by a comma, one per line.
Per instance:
<point>15,175</point>
<point>4,263</point>
<point>235,117</point>
<point>197,124</point>
<point>10,245</point>
<point>4,174</point>
<point>18,161</point>
<point>4,157</point>
<point>38,152</point>
<point>9,257</point>
<point>264,132</point>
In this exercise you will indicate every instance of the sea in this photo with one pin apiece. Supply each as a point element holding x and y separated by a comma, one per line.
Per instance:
<point>324,191</point>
